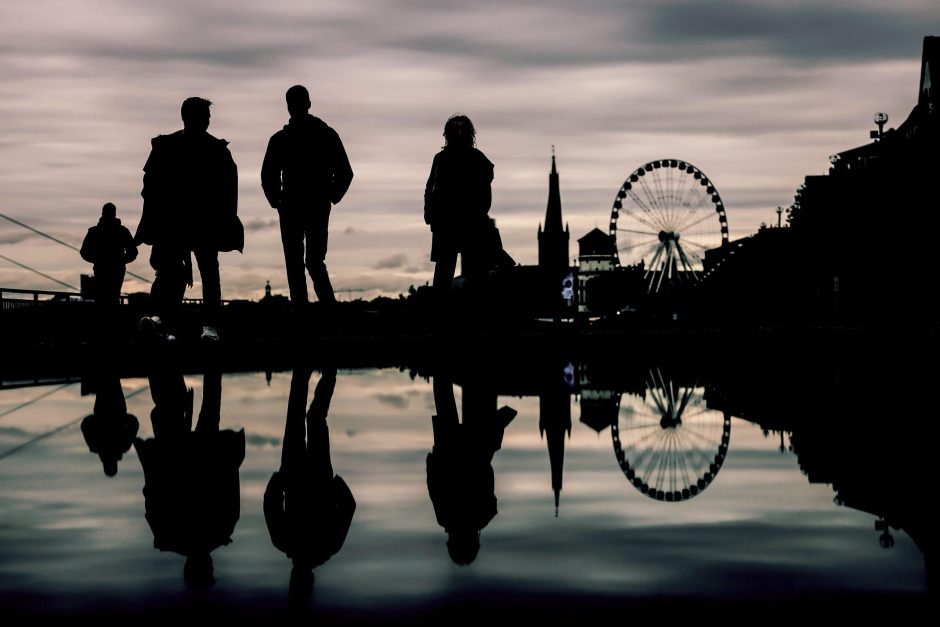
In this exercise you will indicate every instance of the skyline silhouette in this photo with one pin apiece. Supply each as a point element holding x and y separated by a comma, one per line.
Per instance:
<point>771,104</point>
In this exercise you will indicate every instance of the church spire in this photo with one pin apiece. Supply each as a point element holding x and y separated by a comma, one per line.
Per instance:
<point>553,211</point>
<point>553,237</point>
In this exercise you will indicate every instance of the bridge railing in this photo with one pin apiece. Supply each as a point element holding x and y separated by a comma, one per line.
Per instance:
<point>16,298</point>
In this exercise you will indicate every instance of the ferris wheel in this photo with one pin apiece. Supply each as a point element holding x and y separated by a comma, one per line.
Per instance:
<point>668,444</point>
<point>666,215</point>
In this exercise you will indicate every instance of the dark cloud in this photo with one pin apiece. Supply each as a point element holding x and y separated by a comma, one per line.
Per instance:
<point>260,224</point>
<point>261,440</point>
<point>392,262</point>
<point>804,31</point>
<point>15,238</point>
<point>397,401</point>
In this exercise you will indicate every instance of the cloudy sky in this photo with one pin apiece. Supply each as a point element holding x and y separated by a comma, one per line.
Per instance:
<point>756,93</point>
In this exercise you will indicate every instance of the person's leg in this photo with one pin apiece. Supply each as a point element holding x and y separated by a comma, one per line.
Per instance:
<point>169,283</point>
<point>292,238</point>
<point>316,231</point>
<point>208,262</point>
<point>108,283</point>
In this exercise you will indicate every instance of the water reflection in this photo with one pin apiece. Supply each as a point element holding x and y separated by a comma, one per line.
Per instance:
<point>191,489</point>
<point>460,465</point>
<point>307,509</point>
<point>110,430</point>
<point>761,531</point>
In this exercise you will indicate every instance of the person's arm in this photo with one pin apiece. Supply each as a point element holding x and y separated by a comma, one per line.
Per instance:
<point>342,171</point>
<point>129,247</point>
<point>271,173</point>
<point>429,189</point>
<point>89,246</point>
<point>274,515</point>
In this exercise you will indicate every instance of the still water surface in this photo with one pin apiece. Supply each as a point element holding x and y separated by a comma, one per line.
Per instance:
<point>73,540</point>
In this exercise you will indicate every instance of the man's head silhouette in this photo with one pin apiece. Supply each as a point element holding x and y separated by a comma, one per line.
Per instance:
<point>195,112</point>
<point>108,210</point>
<point>298,101</point>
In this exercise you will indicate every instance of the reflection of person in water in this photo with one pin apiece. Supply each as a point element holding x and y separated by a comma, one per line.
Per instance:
<point>110,430</point>
<point>191,491</point>
<point>460,466</point>
<point>308,509</point>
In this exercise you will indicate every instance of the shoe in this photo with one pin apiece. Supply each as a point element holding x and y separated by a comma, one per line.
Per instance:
<point>151,328</point>
<point>209,334</point>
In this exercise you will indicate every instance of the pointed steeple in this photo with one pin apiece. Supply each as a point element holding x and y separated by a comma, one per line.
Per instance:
<point>554,425</point>
<point>553,211</point>
<point>930,63</point>
<point>553,237</point>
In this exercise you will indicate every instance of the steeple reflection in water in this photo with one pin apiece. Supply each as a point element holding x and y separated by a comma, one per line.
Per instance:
<point>760,530</point>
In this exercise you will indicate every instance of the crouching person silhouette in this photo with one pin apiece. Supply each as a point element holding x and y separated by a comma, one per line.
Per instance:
<point>191,484</point>
<point>461,483</point>
<point>307,508</point>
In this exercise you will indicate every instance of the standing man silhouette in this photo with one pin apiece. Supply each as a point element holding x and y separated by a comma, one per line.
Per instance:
<point>305,172</point>
<point>109,246</point>
<point>190,206</point>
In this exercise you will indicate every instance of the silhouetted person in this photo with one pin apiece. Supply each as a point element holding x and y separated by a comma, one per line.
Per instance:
<point>460,466</point>
<point>190,206</point>
<point>457,201</point>
<point>191,485</point>
<point>110,247</point>
<point>110,430</point>
<point>308,509</point>
<point>305,172</point>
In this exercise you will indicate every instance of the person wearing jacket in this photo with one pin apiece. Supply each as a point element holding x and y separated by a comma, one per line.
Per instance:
<point>110,247</point>
<point>190,206</point>
<point>457,201</point>
<point>307,507</point>
<point>305,171</point>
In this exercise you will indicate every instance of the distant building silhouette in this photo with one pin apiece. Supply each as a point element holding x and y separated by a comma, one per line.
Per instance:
<point>596,256</point>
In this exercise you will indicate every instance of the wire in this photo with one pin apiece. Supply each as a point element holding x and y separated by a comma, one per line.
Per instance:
<point>58,241</point>
<point>43,274</point>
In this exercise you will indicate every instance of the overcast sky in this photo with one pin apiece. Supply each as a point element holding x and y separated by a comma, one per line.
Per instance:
<point>757,94</point>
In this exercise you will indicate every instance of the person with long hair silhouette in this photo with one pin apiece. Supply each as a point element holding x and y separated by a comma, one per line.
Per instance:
<point>457,199</point>
<point>308,508</point>
<point>191,483</point>
<point>460,476</point>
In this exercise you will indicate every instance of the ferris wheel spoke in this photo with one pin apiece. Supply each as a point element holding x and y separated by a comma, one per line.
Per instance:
<point>697,414</point>
<point>698,221</point>
<point>697,203</point>
<point>685,262</point>
<point>652,434</point>
<point>648,219</point>
<point>685,401</point>
<point>650,195</point>
<point>645,205</point>
<point>636,232</point>
<point>701,437</point>
<point>627,249</point>
<point>638,427</point>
